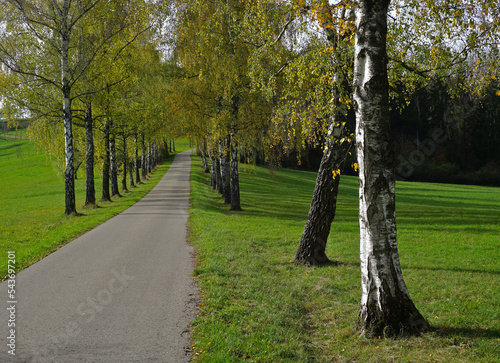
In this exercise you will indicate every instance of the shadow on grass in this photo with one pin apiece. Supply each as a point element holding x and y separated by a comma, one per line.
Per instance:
<point>444,331</point>
<point>453,269</point>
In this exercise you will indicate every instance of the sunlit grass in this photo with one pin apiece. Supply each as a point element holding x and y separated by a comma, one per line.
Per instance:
<point>259,306</point>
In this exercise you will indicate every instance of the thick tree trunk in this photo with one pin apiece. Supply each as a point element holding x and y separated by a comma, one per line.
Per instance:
<point>114,167</point>
<point>125,164</point>
<point>312,245</point>
<point>225,170</point>
<point>386,306</point>
<point>89,179</point>
<point>106,167</point>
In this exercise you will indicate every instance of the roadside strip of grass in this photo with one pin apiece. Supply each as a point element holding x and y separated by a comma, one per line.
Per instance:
<point>33,223</point>
<point>257,305</point>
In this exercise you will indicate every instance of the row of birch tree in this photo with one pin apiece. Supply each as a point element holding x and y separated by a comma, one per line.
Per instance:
<point>250,81</point>
<point>258,78</point>
<point>86,73</point>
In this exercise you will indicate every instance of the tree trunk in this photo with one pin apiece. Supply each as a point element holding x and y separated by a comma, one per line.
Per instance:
<point>143,160</point>
<point>148,162</point>
<point>204,156</point>
<point>225,169</point>
<point>235,178</point>
<point>312,245</point>
<point>114,167</point>
<point>213,175</point>
<point>233,145</point>
<point>218,169</point>
<point>386,306</point>
<point>69,172</point>
<point>106,167</point>
<point>321,214</point>
<point>136,161</point>
<point>131,173</point>
<point>154,154</point>
<point>125,164</point>
<point>89,180</point>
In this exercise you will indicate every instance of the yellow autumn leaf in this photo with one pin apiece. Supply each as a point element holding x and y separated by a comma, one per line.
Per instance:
<point>498,92</point>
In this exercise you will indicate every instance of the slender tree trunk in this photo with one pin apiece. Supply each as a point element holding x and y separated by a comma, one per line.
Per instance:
<point>136,161</point>
<point>114,166</point>
<point>125,163</point>
<point>225,169</point>
<point>204,156</point>
<point>144,160</point>
<point>213,171</point>
<point>106,167</point>
<point>218,169</point>
<point>173,144</point>
<point>233,145</point>
<point>149,159</point>
<point>154,154</point>
<point>235,178</point>
<point>89,182</point>
<point>69,173</point>
<point>386,306</point>
<point>131,173</point>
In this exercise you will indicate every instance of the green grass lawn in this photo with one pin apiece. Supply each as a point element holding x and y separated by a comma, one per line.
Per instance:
<point>33,223</point>
<point>259,306</point>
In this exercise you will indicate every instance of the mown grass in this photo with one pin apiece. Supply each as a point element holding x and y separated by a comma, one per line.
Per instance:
<point>33,223</point>
<point>257,305</point>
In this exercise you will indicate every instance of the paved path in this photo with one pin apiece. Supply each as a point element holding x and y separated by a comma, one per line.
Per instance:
<point>120,293</point>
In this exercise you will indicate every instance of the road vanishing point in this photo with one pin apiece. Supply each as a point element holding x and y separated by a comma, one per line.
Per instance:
<point>122,292</point>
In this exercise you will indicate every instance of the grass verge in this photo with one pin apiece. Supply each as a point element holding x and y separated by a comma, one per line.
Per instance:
<point>259,306</point>
<point>33,223</point>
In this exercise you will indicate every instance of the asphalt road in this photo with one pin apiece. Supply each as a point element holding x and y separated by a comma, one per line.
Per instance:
<point>120,293</point>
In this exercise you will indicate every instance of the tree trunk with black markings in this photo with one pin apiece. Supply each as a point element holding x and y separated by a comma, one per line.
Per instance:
<point>386,306</point>
<point>89,179</point>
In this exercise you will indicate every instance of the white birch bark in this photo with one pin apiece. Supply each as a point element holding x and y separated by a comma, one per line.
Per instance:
<point>386,307</point>
<point>69,173</point>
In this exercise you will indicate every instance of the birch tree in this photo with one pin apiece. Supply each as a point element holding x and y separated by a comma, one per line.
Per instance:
<point>336,22</point>
<point>51,30</point>
<point>386,306</point>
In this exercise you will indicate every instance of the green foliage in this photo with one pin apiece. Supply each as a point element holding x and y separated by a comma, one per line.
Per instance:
<point>259,306</point>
